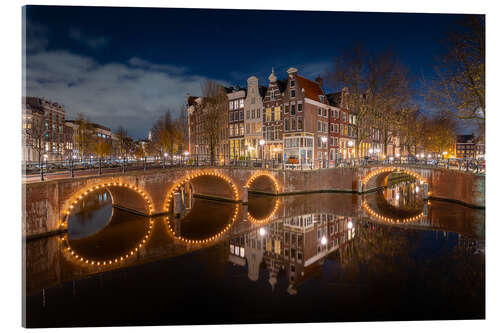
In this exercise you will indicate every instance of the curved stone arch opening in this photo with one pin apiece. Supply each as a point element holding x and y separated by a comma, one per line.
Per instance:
<point>386,171</point>
<point>263,182</point>
<point>69,205</point>
<point>267,218</point>
<point>196,175</point>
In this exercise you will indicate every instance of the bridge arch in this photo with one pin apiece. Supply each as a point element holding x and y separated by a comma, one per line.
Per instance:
<point>69,205</point>
<point>385,171</point>
<point>196,175</point>
<point>265,181</point>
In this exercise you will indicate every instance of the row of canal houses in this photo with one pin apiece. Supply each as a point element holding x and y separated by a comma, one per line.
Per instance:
<point>290,120</point>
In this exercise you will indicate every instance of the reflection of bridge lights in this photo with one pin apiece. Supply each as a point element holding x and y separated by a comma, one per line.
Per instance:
<point>266,219</point>
<point>385,219</point>
<point>323,240</point>
<point>82,260</point>
<point>417,189</point>
<point>201,241</point>
<point>349,225</point>
<point>87,191</point>
<point>262,231</point>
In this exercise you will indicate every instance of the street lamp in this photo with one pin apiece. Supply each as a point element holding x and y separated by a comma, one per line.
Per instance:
<point>261,143</point>
<point>323,139</point>
<point>262,231</point>
<point>349,225</point>
<point>323,240</point>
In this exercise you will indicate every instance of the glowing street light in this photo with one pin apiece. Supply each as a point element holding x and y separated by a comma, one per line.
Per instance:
<point>349,225</point>
<point>323,240</point>
<point>429,156</point>
<point>262,231</point>
<point>350,143</point>
<point>397,155</point>
<point>323,139</point>
<point>370,151</point>
<point>186,153</point>
<point>262,142</point>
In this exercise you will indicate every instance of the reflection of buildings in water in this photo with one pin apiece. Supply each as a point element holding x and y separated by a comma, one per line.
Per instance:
<point>295,245</point>
<point>92,202</point>
<point>406,194</point>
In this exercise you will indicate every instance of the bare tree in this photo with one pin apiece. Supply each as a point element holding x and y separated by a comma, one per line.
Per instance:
<point>458,88</point>
<point>35,134</point>
<point>440,134</point>
<point>123,146</point>
<point>84,136</point>
<point>163,134</point>
<point>377,86</point>
<point>214,109</point>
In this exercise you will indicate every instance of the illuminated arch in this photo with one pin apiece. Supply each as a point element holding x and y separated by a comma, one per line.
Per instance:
<point>379,171</point>
<point>69,205</point>
<point>390,220</point>
<point>74,256</point>
<point>195,175</point>
<point>267,174</point>
<point>205,241</point>
<point>265,220</point>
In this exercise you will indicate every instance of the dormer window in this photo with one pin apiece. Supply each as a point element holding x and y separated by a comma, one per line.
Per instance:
<point>292,93</point>
<point>321,98</point>
<point>272,94</point>
<point>292,83</point>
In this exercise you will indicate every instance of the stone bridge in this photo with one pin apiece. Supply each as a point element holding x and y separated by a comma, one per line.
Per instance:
<point>47,205</point>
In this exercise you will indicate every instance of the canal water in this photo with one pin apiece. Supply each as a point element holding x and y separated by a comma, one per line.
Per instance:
<point>323,257</point>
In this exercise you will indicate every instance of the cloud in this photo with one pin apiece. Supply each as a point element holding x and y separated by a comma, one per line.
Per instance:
<point>92,42</point>
<point>140,63</point>
<point>315,69</point>
<point>132,94</point>
<point>36,37</point>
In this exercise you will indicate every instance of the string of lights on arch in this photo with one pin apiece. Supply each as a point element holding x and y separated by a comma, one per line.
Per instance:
<point>266,174</point>
<point>178,186</point>
<point>83,193</point>
<point>376,172</point>
<point>385,219</point>
<point>119,259</point>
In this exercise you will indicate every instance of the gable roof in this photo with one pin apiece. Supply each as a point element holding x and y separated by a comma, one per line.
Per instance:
<point>312,89</point>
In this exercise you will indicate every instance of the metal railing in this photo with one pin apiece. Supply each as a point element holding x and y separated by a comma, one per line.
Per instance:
<point>71,167</point>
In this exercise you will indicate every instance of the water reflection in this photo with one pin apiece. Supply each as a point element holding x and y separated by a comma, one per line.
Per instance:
<point>301,258</point>
<point>262,208</point>
<point>204,222</point>
<point>90,214</point>
<point>295,246</point>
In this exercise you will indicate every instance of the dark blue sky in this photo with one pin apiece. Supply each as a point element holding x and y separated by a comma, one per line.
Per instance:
<point>125,66</point>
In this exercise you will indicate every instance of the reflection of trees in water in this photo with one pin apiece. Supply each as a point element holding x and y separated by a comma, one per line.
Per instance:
<point>378,251</point>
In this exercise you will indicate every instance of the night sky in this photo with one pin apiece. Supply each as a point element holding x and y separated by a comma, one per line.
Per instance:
<point>126,66</point>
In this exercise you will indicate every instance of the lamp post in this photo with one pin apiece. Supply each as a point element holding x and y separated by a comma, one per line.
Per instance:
<point>262,142</point>
<point>324,139</point>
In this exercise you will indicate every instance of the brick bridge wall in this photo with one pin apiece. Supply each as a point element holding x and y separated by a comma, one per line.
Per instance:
<point>46,203</point>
